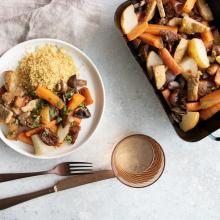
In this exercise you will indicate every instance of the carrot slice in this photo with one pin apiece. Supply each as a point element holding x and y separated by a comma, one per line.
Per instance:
<point>49,96</point>
<point>166,95</point>
<point>193,106</point>
<point>24,138</point>
<point>205,114</point>
<point>207,37</point>
<point>75,101</point>
<point>77,121</point>
<point>54,128</point>
<point>210,99</point>
<point>188,6</point>
<point>169,61</point>
<point>137,31</point>
<point>151,40</point>
<point>86,93</point>
<point>156,28</point>
<point>39,129</point>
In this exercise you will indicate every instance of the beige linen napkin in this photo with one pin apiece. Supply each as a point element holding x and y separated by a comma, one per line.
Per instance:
<point>74,21</point>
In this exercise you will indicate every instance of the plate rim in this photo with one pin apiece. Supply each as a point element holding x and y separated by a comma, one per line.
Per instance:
<point>53,40</point>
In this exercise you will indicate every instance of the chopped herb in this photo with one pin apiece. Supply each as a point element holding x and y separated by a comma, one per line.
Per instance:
<point>59,119</point>
<point>53,112</point>
<point>11,133</point>
<point>64,110</point>
<point>31,94</point>
<point>69,94</point>
<point>68,139</point>
<point>82,105</point>
<point>36,122</point>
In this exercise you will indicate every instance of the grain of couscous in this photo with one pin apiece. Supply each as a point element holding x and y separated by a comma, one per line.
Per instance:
<point>45,67</point>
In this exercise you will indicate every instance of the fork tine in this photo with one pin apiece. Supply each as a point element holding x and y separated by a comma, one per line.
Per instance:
<point>72,167</point>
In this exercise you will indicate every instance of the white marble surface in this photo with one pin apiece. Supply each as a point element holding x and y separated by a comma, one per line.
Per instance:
<point>189,188</point>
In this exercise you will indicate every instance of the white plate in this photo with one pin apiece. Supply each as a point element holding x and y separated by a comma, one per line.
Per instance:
<point>87,70</point>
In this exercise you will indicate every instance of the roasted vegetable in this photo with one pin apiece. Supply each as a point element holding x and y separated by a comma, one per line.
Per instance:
<point>82,112</point>
<point>181,50</point>
<point>87,95</point>
<point>204,10</point>
<point>152,40</point>
<point>210,99</point>
<point>160,8</point>
<point>174,22</point>
<point>150,10</point>
<point>205,114</point>
<point>189,121</point>
<point>153,59</point>
<point>189,67</point>
<point>169,61</point>
<point>197,51</point>
<point>129,19</point>
<point>22,137</point>
<point>155,29</point>
<point>207,37</point>
<point>49,96</point>
<point>193,87</point>
<point>75,101</point>
<point>63,132</point>
<point>137,31</point>
<point>191,26</point>
<point>45,114</point>
<point>159,75</point>
<point>188,6</point>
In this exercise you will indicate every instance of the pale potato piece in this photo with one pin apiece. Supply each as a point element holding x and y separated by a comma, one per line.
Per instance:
<point>181,50</point>
<point>189,121</point>
<point>160,75</point>
<point>129,19</point>
<point>150,11</point>
<point>204,10</point>
<point>153,59</point>
<point>190,26</point>
<point>197,51</point>
<point>175,22</point>
<point>189,67</point>
<point>218,59</point>
<point>40,148</point>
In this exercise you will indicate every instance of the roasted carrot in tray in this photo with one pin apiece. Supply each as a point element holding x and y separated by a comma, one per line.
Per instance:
<point>188,6</point>
<point>156,28</point>
<point>75,101</point>
<point>137,31</point>
<point>169,61</point>
<point>86,93</point>
<point>151,40</point>
<point>210,99</point>
<point>24,138</point>
<point>193,106</point>
<point>207,37</point>
<point>39,129</point>
<point>205,114</point>
<point>49,96</point>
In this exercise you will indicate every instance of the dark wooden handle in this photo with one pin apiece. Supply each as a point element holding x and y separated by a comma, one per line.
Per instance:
<point>11,201</point>
<point>12,176</point>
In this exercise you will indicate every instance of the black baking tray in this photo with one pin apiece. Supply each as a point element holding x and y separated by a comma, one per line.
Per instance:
<point>204,128</point>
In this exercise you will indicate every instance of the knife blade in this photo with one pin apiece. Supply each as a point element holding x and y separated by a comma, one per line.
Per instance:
<point>67,183</point>
<point>83,179</point>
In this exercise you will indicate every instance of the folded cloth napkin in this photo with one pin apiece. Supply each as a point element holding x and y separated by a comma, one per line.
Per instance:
<point>74,21</point>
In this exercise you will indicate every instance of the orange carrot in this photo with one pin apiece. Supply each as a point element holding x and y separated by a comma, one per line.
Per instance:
<point>77,121</point>
<point>169,61</point>
<point>137,31</point>
<point>210,99</point>
<point>86,93</point>
<point>24,138</point>
<point>49,96</point>
<point>54,128</point>
<point>207,37</point>
<point>151,40</point>
<point>156,28</point>
<point>205,114</point>
<point>188,6</point>
<point>75,101</point>
<point>39,129</point>
<point>193,106</point>
<point>166,95</point>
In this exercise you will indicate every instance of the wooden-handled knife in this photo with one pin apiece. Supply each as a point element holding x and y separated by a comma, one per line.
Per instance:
<point>59,186</point>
